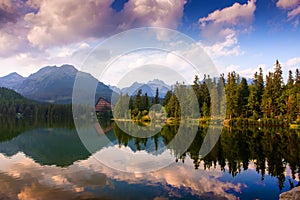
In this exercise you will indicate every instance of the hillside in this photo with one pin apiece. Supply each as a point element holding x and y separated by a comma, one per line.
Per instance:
<point>9,95</point>
<point>13,104</point>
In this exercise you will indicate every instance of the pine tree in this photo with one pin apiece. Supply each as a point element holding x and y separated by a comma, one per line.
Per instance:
<point>156,98</point>
<point>243,94</point>
<point>232,94</point>
<point>267,106</point>
<point>290,81</point>
<point>255,95</point>
<point>196,88</point>
<point>222,96</point>
<point>205,97</point>
<point>297,93</point>
<point>173,107</point>
<point>215,100</point>
<point>167,98</point>
<point>131,103</point>
<point>144,102</point>
<point>279,95</point>
<point>273,102</point>
<point>138,99</point>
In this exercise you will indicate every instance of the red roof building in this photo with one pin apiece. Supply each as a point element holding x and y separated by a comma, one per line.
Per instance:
<point>102,105</point>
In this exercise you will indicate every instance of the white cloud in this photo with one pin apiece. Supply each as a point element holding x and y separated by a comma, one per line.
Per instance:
<point>233,15</point>
<point>142,66</point>
<point>247,72</point>
<point>293,62</point>
<point>284,4</point>
<point>227,47</point>
<point>221,28</point>
<point>293,8</point>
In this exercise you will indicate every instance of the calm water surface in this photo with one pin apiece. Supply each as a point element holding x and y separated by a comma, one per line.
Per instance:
<point>40,161</point>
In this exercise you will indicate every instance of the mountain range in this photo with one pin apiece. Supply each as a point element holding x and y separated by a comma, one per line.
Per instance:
<point>55,85</point>
<point>52,84</point>
<point>149,88</point>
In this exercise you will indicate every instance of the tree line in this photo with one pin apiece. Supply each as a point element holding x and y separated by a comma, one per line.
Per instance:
<point>231,97</point>
<point>13,104</point>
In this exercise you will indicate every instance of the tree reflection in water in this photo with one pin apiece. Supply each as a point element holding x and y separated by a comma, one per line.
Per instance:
<point>271,150</point>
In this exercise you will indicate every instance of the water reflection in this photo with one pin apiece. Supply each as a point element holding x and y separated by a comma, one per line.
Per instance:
<point>270,149</point>
<point>52,163</point>
<point>24,178</point>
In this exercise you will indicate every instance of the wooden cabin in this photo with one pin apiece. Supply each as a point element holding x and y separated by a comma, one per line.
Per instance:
<point>103,105</point>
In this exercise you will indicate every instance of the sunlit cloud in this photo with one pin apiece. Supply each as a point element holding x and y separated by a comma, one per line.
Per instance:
<point>222,27</point>
<point>226,21</point>
<point>293,8</point>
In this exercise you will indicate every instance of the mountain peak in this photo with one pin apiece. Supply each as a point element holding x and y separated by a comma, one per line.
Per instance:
<point>55,84</point>
<point>11,80</point>
<point>64,70</point>
<point>149,88</point>
<point>157,81</point>
<point>67,67</point>
<point>13,75</point>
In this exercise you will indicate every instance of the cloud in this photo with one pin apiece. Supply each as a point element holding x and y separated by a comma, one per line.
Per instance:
<point>293,8</point>
<point>39,25</point>
<point>13,29</point>
<point>227,47</point>
<point>235,15</point>
<point>8,11</point>
<point>221,28</point>
<point>23,178</point>
<point>158,13</point>
<point>60,22</point>
<point>293,13</point>
<point>284,4</point>
<point>293,62</point>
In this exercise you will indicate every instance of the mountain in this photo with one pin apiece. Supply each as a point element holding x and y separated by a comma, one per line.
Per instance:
<point>135,87</point>
<point>149,88</point>
<point>163,88</point>
<point>115,89</point>
<point>55,84</point>
<point>12,80</point>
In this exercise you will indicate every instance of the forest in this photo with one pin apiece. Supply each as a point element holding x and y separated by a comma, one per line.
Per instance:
<point>13,104</point>
<point>267,100</point>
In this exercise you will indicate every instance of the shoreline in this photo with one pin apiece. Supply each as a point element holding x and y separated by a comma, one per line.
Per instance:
<point>266,122</point>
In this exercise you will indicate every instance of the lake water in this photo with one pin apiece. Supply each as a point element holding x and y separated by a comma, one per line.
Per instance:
<point>40,161</point>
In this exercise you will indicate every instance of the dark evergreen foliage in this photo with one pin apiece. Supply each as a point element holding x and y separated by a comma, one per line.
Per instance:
<point>12,104</point>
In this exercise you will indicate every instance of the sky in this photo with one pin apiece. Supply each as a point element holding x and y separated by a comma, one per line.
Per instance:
<point>236,35</point>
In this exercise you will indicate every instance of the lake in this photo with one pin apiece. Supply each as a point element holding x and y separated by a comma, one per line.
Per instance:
<point>49,161</point>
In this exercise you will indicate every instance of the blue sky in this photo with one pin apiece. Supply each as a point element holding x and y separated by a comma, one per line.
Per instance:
<point>237,35</point>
